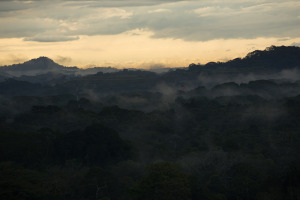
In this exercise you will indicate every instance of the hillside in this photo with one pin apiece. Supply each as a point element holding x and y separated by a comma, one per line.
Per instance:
<point>273,63</point>
<point>272,59</point>
<point>44,65</point>
<point>216,131</point>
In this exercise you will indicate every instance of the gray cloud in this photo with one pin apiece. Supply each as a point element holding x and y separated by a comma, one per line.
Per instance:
<point>9,6</point>
<point>283,39</point>
<point>228,22</point>
<point>17,58</point>
<point>188,20</point>
<point>63,60</point>
<point>122,3</point>
<point>295,44</point>
<point>51,38</point>
<point>15,27</point>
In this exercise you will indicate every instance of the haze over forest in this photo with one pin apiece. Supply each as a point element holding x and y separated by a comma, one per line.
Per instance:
<point>223,130</point>
<point>150,100</point>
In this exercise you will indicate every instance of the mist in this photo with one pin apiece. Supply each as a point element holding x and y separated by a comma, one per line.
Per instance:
<point>216,131</point>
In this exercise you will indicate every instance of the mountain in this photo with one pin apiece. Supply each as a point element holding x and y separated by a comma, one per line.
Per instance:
<point>41,63</point>
<point>275,62</point>
<point>37,66</point>
<point>273,58</point>
<point>44,65</point>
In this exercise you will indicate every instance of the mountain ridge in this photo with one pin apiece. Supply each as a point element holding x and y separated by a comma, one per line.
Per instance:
<point>273,58</point>
<point>44,65</point>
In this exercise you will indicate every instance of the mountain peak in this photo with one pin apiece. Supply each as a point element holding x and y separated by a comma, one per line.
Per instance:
<point>44,58</point>
<point>42,61</point>
<point>34,66</point>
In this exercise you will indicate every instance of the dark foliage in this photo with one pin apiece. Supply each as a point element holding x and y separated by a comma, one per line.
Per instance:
<point>139,135</point>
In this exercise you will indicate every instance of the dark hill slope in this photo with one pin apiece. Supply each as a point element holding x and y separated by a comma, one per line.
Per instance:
<point>36,66</point>
<point>271,63</point>
<point>274,58</point>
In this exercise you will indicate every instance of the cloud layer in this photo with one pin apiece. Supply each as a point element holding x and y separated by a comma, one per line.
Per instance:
<point>58,20</point>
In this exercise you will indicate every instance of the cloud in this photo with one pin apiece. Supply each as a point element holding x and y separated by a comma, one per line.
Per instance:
<point>23,27</point>
<point>51,38</point>
<point>283,39</point>
<point>160,10</point>
<point>124,3</point>
<point>8,6</point>
<point>187,20</point>
<point>295,44</point>
<point>151,65</point>
<point>63,60</point>
<point>217,22</point>
<point>16,58</point>
<point>113,12</point>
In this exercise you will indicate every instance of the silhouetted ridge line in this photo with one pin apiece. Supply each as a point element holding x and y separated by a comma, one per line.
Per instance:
<point>272,58</point>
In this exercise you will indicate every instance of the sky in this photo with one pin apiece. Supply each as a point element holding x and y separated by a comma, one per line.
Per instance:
<point>143,33</point>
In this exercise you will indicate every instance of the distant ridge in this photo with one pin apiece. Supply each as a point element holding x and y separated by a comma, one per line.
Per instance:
<point>280,57</point>
<point>47,77</point>
<point>273,58</point>
<point>44,65</point>
<point>35,64</point>
<point>41,60</point>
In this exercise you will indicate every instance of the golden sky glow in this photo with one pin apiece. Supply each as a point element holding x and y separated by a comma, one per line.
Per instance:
<point>170,34</point>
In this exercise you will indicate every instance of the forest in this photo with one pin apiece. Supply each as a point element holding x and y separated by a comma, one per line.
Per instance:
<point>219,131</point>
